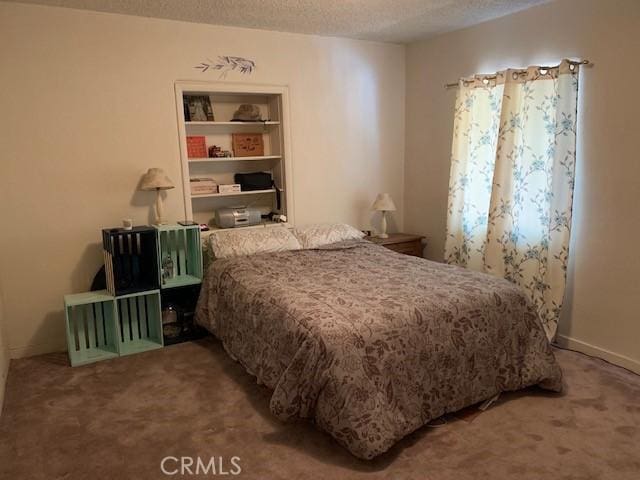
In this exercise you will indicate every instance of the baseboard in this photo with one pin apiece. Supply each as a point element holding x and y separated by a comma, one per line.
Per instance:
<point>3,384</point>
<point>4,364</point>
<point>31,350</point>
<point>615,358</point>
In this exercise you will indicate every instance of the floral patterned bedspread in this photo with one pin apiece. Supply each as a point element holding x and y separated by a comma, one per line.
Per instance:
<point>372,344</point>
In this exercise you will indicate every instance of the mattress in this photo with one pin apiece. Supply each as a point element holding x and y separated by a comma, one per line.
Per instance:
<point>371,344</point>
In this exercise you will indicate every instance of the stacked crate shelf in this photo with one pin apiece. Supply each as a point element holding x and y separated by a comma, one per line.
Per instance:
<point>139,322</point>
<point>101,326</point>
<point>127,317</point>
<point>130,259</point>
<point>181,245</point>
<point>183,301</point>
<point>91,327</point>
<point>180,287</point>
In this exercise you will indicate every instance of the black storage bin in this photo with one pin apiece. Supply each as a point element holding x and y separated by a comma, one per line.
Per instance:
<point>254,181</point>
<point>180,302</point>
<point>130,259</point>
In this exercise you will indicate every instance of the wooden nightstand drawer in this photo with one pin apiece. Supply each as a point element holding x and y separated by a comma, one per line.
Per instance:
<point>409,248</point>
<point>401,243</point>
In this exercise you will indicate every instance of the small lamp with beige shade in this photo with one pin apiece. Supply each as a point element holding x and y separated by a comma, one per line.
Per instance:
<point>384,203</point>
<point>156,179</point>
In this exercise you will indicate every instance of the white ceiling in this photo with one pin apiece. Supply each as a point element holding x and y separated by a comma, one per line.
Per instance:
<point>398,21</point>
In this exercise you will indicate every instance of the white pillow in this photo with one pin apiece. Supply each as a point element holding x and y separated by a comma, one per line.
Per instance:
<point>314,236</point>
<point>235,243</point>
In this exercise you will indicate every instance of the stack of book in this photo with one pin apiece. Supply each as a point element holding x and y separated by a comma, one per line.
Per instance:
<point>203,186</point>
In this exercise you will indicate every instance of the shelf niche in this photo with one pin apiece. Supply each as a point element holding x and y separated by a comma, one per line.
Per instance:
<point>225,99</point>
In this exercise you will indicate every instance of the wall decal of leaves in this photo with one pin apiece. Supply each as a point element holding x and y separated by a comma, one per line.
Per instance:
<point>226,64</point>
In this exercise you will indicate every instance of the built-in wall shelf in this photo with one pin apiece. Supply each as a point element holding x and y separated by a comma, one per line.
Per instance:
<point>220,101</point>
<point>235,124</point>
<point>233,159</point>
<point>234,194</point>
<point>219,128</point>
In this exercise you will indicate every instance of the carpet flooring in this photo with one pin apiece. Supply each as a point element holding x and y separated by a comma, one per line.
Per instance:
<point>120,418</point>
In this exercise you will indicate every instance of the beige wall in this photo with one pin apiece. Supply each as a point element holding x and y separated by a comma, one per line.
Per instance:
<point>601,313</point>
<point>88,105</point>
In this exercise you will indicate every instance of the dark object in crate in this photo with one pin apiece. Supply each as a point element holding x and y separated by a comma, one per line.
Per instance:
<point>178,315</point>
<point>99,280</point>
<point>130,258</point>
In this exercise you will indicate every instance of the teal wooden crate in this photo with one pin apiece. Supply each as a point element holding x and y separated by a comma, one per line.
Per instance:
<point>139,322</point>
<point>91,327</point>
<point>179,255</point>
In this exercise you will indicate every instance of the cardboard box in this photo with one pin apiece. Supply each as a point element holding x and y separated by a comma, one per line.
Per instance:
<point>203,186</point>
<point>247,144</point>
<point>231,188</point>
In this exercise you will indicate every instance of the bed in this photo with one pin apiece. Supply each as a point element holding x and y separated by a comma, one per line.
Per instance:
<point>371,344</point>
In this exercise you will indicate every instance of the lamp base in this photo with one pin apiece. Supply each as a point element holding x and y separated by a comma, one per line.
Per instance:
<point>160,220</point>
<point>383,225</point>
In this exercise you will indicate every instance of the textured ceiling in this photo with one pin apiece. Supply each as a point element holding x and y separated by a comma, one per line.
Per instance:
<point>398,21</point>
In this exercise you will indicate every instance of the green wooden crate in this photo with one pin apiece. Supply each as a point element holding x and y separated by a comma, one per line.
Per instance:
<point>180,247</point>
<point>91,327</point>
<point>139,322</point>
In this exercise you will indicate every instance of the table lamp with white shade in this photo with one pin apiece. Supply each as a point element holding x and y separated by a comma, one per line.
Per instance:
<point>156,179</point>
<point>384,204</point>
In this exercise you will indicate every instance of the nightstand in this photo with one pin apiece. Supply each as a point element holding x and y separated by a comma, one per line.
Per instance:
<point>401,242</point>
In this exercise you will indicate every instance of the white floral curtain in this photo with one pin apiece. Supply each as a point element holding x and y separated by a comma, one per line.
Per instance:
<point>512,177</point>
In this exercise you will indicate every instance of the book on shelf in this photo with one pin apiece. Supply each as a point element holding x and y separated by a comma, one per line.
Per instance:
<point>198,108</point>
<point>203,186</point>
<point>196,147</point>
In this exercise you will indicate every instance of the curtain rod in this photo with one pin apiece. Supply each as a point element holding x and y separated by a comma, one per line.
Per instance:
<point>491,77</point>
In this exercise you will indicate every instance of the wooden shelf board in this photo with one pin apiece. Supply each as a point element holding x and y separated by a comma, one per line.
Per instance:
<point>140,293</point>
<point>216,195</point>
<point>231,123</point>
<point>87,298</point>
<point>233,159</point>
<point>170,227</point>
<point>140,345</point>
<point>182,281</point>
<point>91,356</point>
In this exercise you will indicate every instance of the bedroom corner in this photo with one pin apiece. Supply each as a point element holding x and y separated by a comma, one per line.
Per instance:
<point>299,239</point>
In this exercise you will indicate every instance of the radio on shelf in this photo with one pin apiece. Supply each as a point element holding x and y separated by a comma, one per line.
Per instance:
<point>237,217</point>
